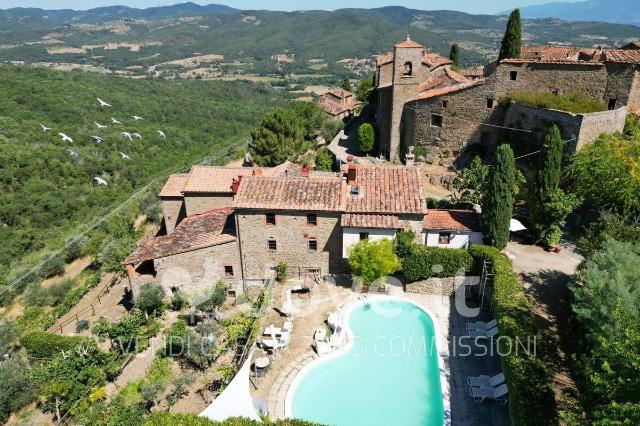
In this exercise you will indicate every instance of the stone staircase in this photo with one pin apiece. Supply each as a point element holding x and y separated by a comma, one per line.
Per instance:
<point>278,392</point>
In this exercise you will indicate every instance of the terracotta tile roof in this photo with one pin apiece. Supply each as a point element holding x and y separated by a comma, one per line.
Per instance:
<point>558,55</point>
<point>195,232</point>
<point>452,220</point>
<point>174,185</point>
<point>387,189</point>
<point>433,60</point>
<point>445,78</point>
<point>290,193</point>
<point>285,169</point>
<point>386,221</point>
<point>339,92</point>
<point>474,72</point>
<point>214,178</point>
<point>337,101</point>
<point>384,58</point>
<point>408,43</point>
<point>431,93</point>
<point>623,56</point>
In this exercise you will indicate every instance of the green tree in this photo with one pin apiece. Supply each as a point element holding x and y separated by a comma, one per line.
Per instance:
<point>346,84</point>
<point>366,137</point>
<point>372,260</point>
<point>470,183</point>
<point>497,208</point>
<point>404,242</point>
<point>150,298</point>
<point>365,87</point>
<point>278,138</point>
<point>512,41</point>
<point>454,55</point>
<point>124,334</point>
<point>311,116</point>
<point>214,297</point>
<point>17,387</point>
<point>282,271</point>
<point>324,161</point>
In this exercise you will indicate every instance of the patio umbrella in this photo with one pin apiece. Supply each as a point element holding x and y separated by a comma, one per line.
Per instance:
<point>515,225</point>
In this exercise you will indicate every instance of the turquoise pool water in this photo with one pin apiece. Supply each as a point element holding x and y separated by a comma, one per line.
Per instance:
<point>389,376</point>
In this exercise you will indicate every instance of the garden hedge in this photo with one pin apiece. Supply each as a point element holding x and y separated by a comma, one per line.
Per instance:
<point>423,262</point>
<point>531,399</point>
<point>42,344</point>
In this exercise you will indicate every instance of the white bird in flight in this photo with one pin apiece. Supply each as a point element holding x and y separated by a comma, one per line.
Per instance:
<point>161,133</point>
<point>100,181</point>
<point>124,156</point>
<point>45,128</point>
<point>114,121</point>
<point>103,103</point>
<point>98,139</point>
<point>65,137</point>
<point>126,135</point>
<point>72,153</point>
<point>100,126</point>
<point>137,117</point>
<point>137,135</point>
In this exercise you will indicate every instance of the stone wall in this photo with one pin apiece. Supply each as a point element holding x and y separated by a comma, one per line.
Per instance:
<point>584,128</point>
<point>202,202</point>
<point>462,120</point>
<point>588,79</point>
<point>292,235</point>
<point>173,210</point>
<point>620,80</point>
<point>442,286</point>
<point>196,271</point>
<point>633,103</point>
<point>383,119</point>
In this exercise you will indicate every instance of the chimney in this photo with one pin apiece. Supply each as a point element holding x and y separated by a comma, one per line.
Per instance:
<point>349,158</point>
<point>235,184</point>
<point>305,171</point>
<point>352,173</point>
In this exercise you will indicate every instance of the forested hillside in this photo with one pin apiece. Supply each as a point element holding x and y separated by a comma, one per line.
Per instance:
<point>48,186</point>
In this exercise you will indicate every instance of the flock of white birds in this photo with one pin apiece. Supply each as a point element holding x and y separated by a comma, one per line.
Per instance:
<point>98,139</point>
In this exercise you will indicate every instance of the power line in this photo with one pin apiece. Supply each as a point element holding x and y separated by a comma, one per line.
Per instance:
<point>110,211</point>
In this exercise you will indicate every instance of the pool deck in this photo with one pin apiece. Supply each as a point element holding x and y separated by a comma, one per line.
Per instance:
<point>328,297</point>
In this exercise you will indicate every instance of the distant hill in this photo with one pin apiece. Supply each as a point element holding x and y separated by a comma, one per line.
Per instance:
<point>615,11</point>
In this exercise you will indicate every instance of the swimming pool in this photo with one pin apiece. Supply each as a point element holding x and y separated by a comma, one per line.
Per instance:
<point>388,374</point>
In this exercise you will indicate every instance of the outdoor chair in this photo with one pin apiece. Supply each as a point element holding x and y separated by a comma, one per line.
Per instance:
<point>483,380</point>
<point>480,325</point>
<point>480,394</point>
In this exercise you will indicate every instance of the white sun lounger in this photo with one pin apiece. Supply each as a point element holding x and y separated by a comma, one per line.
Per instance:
<point>479,394</point>
<point>484,334</point>
<point>480,325</point>
<point>280,343</point>
<point>483,380</point>
<point>286,328</point>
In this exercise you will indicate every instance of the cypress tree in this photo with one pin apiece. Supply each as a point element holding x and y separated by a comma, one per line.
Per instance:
<point>547,179</point>
<point>346,84</point>
<point>512,41</point>
<point>454,55</point>
<point>497,208</point>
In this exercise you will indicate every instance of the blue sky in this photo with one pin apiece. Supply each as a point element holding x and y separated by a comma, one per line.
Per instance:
<point>471,6</point>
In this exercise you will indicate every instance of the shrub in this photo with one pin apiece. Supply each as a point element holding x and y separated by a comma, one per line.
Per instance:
<point>366,137</point>
<point>531,399</point>
<point>42,344</point>
<point>575,102</point>
<point>82,325</point>
<point>404,242</point>
<point>73,248</point>
<point>424,262</point>
<point>57,292</point>
<point>9,332</point>
<point>124,334</point>
<point>150,297</point>
<point>35,295</point>
<point>214,297</point>
<point>373,260</point>
<point>281,271</point>
<point>17,388</point>
<point>53,264</point>
<point>179,301</point>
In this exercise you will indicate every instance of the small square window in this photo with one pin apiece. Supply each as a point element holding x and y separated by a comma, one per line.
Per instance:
<point>273,245</point>
<point>445,103</point>
<point>444,238</point>
<point>612,104</point>
<point>364,236</point>
<point>436,120</point>
<point>313,245</point>
<point>228,270</point>
<point>513,75</point>
<point>355,190</point>
<point>491,103</point>
<point>312,219</point>
<point>270,218</point>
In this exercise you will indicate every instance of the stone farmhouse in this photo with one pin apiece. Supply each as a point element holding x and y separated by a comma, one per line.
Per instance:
<point>338,103</point>
<point>236,224</point>
<point>423,101</point>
